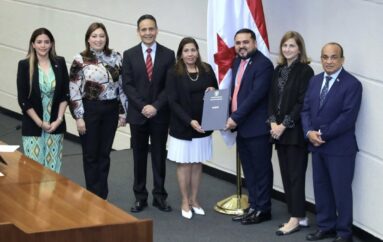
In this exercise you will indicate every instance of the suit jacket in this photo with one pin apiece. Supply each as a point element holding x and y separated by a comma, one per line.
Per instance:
<point>337,117</point>
<point>291,103</point>
<point>180,103</point>
<point>139,90</point>
<point>61,93</point>
<point>252,98</point>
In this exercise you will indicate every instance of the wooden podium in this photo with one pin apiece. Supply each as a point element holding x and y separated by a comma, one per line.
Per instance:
<point>39,205</point>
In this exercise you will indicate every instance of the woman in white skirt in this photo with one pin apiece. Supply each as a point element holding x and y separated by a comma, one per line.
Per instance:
<point>189,145</point>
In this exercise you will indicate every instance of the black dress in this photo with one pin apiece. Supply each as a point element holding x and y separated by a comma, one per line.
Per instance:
<point>185,93</point>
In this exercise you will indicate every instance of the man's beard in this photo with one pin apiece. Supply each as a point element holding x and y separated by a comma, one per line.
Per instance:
<point>248,55</point>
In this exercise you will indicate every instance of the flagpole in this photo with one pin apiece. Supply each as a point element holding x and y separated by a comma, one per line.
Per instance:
<point>235,204</point>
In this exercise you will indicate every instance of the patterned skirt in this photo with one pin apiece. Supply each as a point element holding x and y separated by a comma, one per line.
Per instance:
<point>46,149</point>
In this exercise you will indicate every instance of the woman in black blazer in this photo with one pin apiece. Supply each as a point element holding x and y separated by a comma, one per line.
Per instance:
<point>43,94</point>
<point>287,92</point>
<point>189,145</point>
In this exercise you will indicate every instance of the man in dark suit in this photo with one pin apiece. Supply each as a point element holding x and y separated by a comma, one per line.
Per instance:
<point>252,74</point>
<point>329,115</point>
<point>143,75</point>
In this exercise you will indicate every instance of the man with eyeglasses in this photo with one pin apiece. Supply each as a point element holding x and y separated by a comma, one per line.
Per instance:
<point>329,114</point>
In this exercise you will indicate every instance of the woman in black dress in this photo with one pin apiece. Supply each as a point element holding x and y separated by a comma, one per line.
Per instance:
<point>189,144</point>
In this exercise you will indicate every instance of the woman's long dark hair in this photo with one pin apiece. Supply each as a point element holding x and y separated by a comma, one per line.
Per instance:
<point>180,65</point>
<point>87,52</point>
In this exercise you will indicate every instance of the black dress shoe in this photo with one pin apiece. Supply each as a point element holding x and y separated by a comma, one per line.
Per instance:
<point>319,234</point>
<point>138,206</point>
<point>162,205</point>
<point>247,212</point>
<point>256,218</point>
<point>340,239</point>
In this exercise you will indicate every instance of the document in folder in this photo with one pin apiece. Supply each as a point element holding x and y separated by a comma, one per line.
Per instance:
<point>215,109</point>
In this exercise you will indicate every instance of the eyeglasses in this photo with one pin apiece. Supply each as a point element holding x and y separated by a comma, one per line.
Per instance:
<point>331,58</point>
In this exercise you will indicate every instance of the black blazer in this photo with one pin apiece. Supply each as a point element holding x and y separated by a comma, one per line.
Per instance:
<point>292,101</point>
<point>139,90</point>
<point>180,102</point>
<point>61,93</point>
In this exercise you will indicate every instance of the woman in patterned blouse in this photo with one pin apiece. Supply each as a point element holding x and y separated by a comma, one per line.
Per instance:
<point>98,104</point>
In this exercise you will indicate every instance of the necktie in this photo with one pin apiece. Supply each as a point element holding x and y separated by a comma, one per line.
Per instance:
<point>241,70</point>
<point>324,91</point>
<point>149,64</point>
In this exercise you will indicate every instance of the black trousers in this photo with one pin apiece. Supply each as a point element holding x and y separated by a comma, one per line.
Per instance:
<point>293,165</point>
<point>101,120</point>
<point>158,134</point>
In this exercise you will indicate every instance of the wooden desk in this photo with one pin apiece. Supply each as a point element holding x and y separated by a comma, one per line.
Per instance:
<point>38,205</point>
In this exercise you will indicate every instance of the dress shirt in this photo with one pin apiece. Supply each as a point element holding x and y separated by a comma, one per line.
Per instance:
<point>334,77</point>
<point>236,76</point>
<point>153,53</point>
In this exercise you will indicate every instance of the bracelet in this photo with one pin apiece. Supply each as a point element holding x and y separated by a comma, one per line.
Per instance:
<point>41,125</point>
<point>60,118</point>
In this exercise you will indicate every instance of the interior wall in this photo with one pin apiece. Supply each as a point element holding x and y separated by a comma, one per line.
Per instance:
<point>353,23</point>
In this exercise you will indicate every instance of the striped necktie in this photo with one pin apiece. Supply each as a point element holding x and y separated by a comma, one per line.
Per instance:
<point>324,91</point>
<point>149,64</point>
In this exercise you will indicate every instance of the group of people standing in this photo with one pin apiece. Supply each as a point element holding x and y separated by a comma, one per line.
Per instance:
<point>160,93</point>
<point>148,88</point>
<point>299,113</point>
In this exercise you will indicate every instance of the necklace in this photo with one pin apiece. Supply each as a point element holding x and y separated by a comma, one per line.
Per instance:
<point>193,79</point>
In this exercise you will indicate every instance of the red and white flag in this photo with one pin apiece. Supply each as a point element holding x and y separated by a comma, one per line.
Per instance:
<point>224,19</point>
